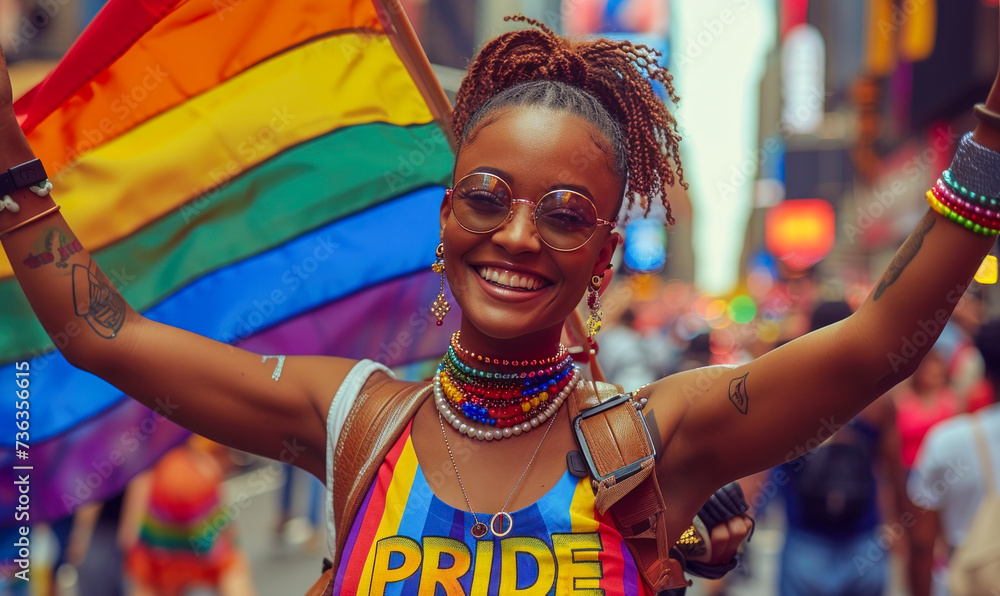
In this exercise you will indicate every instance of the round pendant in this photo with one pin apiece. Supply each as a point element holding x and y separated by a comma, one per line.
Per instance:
<point>479,530</point>
<point>497,524</point>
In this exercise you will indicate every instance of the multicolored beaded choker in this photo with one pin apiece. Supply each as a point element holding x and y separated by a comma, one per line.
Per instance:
<point>505,398</point>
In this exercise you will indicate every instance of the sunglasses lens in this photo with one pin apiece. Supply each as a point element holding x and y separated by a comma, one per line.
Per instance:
<point>565,219</point>
<point>480,202</point>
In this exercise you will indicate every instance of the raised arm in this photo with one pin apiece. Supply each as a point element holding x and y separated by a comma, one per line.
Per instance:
<point>269,407</point>
<point>730,422</point>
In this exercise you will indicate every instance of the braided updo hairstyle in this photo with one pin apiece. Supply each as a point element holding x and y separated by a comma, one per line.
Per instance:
<point>601,81</point>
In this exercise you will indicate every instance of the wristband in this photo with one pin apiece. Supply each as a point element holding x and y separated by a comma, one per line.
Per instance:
<point>976,168</point>
<point>30,173</point>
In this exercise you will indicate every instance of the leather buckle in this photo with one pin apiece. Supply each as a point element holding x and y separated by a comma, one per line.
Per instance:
<point>627,470</point>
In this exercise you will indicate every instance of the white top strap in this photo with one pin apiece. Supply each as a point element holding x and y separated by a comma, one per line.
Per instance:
<point>340,407</point>
<point>984,456</point>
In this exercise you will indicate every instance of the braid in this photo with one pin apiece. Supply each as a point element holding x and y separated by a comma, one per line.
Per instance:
<point>601,80</point>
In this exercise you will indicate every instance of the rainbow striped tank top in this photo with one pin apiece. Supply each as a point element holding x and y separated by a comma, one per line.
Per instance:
<point>407,541</point>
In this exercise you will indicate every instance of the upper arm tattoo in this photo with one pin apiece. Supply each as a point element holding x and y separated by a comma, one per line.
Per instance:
<point>97,300</point>
<point>909,250</point>
<point>277,368</point>
<point>738,393</point>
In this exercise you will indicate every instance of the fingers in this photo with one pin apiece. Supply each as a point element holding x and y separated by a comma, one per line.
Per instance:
<point>720,538</point>
<point>739,528</point>
<point>726,538</point>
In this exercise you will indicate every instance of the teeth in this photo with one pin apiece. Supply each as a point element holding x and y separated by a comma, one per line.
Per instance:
<point>511,280</point>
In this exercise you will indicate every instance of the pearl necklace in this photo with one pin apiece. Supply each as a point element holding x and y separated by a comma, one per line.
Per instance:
<point>486,433</point>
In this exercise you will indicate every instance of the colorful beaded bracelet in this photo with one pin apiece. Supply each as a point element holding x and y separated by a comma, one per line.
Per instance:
<point>949,198</point>
<point>941,208</point>
<point>961,210</point>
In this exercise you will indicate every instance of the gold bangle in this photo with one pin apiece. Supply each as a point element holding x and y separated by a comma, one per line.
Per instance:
<point>34,218</point>
<point>986,115</point>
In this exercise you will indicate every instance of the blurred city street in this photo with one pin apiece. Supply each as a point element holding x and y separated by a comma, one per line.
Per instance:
<point>741,242</point>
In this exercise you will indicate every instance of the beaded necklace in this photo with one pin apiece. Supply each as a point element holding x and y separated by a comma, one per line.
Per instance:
<point>505,398</point>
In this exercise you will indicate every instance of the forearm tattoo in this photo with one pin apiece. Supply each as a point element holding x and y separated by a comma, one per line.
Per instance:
<point>909,250</point>
<point>57,248</point>
<point>97,300</point>
<point>738,394</point>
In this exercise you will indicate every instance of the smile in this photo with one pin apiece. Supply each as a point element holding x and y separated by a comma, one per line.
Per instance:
<point>509,279</point>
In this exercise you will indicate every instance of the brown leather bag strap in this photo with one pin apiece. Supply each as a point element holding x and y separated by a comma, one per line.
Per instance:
<point>620,453</point>
<point>374,424</point>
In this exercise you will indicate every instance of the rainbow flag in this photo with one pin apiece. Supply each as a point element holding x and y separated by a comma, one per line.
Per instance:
<point>263,173</point>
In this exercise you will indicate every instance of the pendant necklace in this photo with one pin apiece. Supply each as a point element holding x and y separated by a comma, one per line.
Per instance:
<point>479,529</point>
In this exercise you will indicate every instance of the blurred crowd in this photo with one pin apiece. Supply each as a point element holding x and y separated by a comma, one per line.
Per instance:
<point>903,482</point>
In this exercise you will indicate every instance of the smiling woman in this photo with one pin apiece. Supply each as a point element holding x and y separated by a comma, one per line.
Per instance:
<point>555,137</point>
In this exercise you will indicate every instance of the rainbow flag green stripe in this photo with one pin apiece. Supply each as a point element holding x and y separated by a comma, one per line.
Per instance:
<point>303,188</point>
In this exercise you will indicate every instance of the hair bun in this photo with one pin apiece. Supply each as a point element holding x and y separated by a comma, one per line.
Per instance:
<point>535,55</point>
<point>617,75</point>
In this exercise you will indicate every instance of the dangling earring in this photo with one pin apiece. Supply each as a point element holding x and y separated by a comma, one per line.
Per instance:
<point>594,303</point>
<point>440,307</point>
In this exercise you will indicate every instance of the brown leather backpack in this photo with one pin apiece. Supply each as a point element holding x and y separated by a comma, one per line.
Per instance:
<point>609,429</point>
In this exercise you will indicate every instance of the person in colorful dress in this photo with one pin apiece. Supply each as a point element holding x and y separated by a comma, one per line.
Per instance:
<point>554,138</point>
<point>176,532</point>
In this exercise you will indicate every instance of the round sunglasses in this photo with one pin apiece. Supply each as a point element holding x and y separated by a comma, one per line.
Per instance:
<point>565,219</point>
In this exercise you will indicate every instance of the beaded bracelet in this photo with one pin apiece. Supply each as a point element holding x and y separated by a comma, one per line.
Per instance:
<point>968,192</point>
<point>979,214</point>
<point>962,210</point>
<point>958,218</point>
